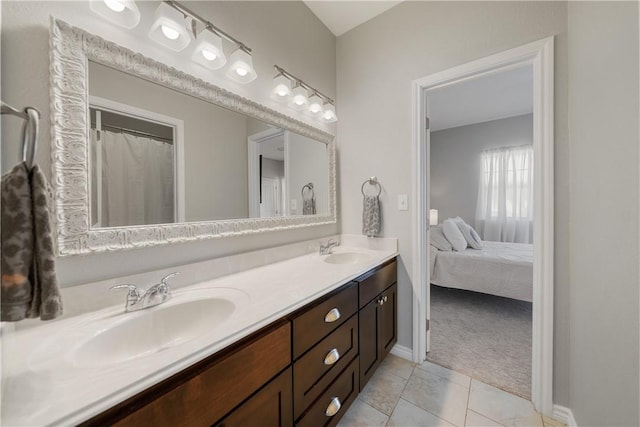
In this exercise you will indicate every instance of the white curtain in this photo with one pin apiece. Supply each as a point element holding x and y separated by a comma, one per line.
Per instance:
<point>504,212</point>
<point>137,180</point>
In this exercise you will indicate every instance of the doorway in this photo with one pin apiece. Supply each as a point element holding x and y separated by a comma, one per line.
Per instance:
<point>539,55</point>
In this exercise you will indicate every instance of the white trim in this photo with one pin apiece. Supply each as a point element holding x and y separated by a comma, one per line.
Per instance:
<point>565,415</point>
<point>402,351</point>
<point>178,144</point>
<point>539,54</point>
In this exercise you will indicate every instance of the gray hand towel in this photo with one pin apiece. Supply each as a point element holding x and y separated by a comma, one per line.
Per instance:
<point>17,244</point>
<point>309,206</point>
<point>29,284</point>
<point>47,302</point>
<point>371,216</point>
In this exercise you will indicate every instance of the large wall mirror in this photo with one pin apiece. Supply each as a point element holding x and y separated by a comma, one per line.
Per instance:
<point>145,154</point>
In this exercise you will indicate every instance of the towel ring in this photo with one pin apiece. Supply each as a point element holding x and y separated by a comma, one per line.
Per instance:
<point>371,181</point>
<point>30,131</point>
<point>309,186</point>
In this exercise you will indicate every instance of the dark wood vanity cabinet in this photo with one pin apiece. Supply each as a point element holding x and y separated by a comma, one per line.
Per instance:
<point>271,406</point>
<point>325,348</point>
<point>204,393</point>
<point>378,319</point>
<point>304,370</point>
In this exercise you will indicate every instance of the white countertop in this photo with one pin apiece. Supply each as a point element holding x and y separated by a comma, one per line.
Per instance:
<point>45,384</point>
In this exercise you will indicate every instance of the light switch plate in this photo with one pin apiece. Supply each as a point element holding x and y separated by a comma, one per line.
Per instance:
<point>403,202</point>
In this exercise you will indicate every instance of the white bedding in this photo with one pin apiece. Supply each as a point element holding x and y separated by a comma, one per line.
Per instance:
<point>502,269</point>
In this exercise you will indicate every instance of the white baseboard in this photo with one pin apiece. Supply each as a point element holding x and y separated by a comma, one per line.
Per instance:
<point>402,351</point>
<point>565,415</point>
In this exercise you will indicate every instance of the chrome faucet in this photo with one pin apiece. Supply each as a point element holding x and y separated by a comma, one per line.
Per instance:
<point>328,248</point>
<point>155,295</point>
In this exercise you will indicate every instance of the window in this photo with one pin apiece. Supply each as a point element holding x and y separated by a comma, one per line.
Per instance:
<point>505,196</point>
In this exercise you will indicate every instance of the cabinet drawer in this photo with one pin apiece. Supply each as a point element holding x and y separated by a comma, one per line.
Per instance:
<point>344,389</point>
<point>317,322</point>
<point>207,397</point>
<point>314,371</point>
<point>372,285</point>
<point>270,407</point>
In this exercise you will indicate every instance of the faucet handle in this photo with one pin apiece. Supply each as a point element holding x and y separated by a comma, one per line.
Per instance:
<point>168,276</point>
<point>164,281</point>
<point>133,289</point>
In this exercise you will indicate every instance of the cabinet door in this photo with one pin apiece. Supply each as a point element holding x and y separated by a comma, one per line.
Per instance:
<point>369,354</point>
<point>388,318</point>
<point>269,407</point>
<point>378,331</point>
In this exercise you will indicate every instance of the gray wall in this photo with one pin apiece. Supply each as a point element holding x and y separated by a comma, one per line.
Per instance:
<point>283,33</point>
<point>603,124</point>
<point>455,161</point>
<point>377,62</point>
<point>307,163</point>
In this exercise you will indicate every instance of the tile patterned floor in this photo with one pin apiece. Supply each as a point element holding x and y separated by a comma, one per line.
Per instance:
<point>403,394</point>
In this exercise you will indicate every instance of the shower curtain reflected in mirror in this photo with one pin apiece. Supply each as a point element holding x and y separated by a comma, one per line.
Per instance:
<point>132,180</point>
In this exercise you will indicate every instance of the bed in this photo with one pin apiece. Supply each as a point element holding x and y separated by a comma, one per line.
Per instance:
<point>502,269</point>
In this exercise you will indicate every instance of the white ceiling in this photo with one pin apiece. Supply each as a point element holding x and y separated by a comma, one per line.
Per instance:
<point>272,148</point>
<point>341,16</point>
<point>493,97</point>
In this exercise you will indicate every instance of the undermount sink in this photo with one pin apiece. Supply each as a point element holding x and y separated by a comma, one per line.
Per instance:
<point>154,330</point>
<point>347,258</point>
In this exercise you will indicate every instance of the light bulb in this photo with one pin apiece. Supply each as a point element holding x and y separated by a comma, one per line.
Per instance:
<point>282,91</point>
<point>315,108</point>
<point>328,115</point>
<point>114,5</point>
<point>208,55</point>
<point>170,33</point>
<point>241,71</point>
<point>299,100</point>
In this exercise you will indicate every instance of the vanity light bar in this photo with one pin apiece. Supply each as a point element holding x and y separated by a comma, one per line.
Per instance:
<point>313,104</point>
<point>294,79</point>
<point>207,24</point>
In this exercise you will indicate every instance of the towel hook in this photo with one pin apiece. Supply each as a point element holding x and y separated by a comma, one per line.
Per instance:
<point>30,131</point>
<point>310,187</point>
<point>371,181</point>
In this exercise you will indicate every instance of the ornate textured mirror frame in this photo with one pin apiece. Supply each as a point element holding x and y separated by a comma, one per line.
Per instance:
<point>71,49</point>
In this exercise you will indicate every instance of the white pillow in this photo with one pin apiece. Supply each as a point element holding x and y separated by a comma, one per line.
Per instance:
<point>454,236</point>
<point>437,239</point>
<point>470,235</point>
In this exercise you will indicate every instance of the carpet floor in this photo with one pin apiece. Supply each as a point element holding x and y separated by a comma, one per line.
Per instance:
<point>483,336</point>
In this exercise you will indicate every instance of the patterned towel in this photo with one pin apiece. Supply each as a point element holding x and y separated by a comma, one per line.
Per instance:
<point>371,216</point>
<point>309,206</point>
<point>29,284</point>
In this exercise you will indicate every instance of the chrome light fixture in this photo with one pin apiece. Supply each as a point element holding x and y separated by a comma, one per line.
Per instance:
<point>317,105</point>
<point>209,52</point>
<point>241,68</point>
<point>124,13</point>
<point>281,88</point>
<point>299,100</point>
<point>169,28</point>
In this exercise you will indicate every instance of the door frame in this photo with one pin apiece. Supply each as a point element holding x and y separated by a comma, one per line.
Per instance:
<point>539,54</point>
<point>253,170</point>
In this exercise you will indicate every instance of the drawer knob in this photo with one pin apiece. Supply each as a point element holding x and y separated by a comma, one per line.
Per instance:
<point>333,407</point>
<point>332,315</point>
<point>332,357</point>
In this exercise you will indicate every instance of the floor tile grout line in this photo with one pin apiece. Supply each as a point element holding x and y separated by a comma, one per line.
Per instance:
<point>484,416</point>
<point>466,411</point>
<point>406,381</point>
<point>417,406</point>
